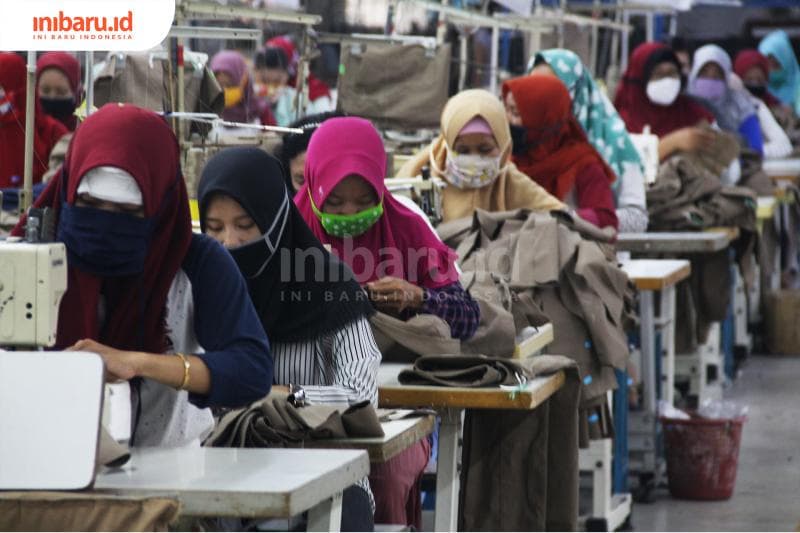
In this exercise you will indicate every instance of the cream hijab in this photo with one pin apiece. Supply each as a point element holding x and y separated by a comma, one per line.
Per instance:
<point>511,190</point>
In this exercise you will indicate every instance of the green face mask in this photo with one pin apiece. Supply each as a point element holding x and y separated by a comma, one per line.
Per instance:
<point>348,225</point>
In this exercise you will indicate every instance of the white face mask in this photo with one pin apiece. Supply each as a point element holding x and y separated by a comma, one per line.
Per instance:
<point>467,171</point>
<point>664,91</point>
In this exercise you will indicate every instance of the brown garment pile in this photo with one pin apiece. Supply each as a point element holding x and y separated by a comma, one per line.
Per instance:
<point>464,371</point>
<point>520,468</point>
<point>688,196</point>
<point>84,511</point>
<point>275,423</point>
<point>526,268</point>
<point>402,341</point>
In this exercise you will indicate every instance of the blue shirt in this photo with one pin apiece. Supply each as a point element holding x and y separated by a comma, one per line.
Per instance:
<point>750,129</point>
<point>226,325</point>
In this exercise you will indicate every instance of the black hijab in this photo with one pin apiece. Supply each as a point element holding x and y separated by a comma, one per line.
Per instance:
<point>300,291</point>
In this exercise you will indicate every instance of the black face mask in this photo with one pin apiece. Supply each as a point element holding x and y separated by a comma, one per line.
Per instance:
<point>759,91</point>
<point>60,108</point>
<point>519,141</point>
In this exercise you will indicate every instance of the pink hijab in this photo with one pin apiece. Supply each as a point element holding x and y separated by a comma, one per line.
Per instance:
<point>400,244</point>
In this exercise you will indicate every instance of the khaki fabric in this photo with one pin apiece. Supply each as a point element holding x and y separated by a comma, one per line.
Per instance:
<point>688,196</point>
<point>57,156</point>
<point>465,371</point>
<point>274,423</point>
<point>137,78</point>
<point>402,341</point>
<point>753,175</point>
<point>520,468</point>
<point>724,149</point>
<point>549,272</point>
<point>401,86</point>
<point>512,189</point>
<point>84,511</point>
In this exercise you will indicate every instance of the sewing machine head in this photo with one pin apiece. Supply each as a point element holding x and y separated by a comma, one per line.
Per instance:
<point>33,278</point>
<point>425,191</point>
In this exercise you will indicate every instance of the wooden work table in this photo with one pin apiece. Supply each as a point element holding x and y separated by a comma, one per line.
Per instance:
<point>656,274</point>
<point>399,435</point>
<point>683,242</point>
<point>662,276</point>
<point>450,403</point>
<point>393,394</point>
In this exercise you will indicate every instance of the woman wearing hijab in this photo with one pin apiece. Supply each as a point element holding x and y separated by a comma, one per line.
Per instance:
<point>751,70</point>
<point>58,82</point>
<point>405,267</point>
<point>752,67</point>
<point>319,94</point>
<point>473,155</point>
<point>277,84</point>
<point>47,130</point>
<point>649,95</point>
<point>784,75</point>
<point>733,109</point>
<point>605,130</point>
<point>553,149</point>
<point>241,103</point>
<point>166,309</point>
<point>314,313</point>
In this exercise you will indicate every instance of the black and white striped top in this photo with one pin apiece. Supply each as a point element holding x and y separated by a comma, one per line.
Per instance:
<point>340,368</point>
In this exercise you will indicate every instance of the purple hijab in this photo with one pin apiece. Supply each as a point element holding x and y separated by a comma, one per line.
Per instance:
<point>233,64</point>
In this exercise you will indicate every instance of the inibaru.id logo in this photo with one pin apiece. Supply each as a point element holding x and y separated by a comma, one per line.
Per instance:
<point>63,26</point>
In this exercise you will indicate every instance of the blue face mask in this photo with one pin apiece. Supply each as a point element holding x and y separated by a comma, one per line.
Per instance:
<point>104,243</point>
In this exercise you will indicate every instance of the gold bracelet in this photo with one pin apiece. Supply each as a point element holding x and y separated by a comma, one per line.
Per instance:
<point>186,366</point>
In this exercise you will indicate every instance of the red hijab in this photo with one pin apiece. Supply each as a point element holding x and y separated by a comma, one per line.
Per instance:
<point>635,107</point>
<point>47,130</point>
<point>69,66</point>
<point>141,143</point>
<point>558,149</point>
<point>400,243</point>
<point>747,59</point>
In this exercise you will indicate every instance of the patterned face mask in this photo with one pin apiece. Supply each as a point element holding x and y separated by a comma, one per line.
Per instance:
<point>348,225</point>
<point>471,171</point>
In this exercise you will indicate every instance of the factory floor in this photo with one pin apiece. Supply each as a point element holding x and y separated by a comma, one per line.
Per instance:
<point>767,495</point>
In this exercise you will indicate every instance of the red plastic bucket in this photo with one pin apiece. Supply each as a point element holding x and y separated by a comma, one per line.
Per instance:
<point>702,456</point>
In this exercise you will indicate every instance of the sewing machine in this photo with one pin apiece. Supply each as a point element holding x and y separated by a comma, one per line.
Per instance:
<point>33,279</point>
<point>425,191</point>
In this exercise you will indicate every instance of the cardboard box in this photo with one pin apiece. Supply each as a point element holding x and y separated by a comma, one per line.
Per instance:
<point>782,322</point>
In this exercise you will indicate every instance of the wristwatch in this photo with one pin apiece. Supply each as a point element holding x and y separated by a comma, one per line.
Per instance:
<point>297,395</point>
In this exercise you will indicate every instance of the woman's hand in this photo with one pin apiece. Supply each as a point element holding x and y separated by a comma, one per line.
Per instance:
<point>395,295</point>
<point>693,139</point>
<point>120,365</point>
<point>696,139</point>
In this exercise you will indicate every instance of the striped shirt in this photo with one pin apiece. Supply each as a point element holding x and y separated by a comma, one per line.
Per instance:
<point>340,368</point>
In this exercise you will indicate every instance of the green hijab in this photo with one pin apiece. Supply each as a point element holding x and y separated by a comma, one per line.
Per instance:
<point>596,114</point>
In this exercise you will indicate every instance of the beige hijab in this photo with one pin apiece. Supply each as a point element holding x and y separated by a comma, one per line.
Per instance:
<point>511,190</point>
